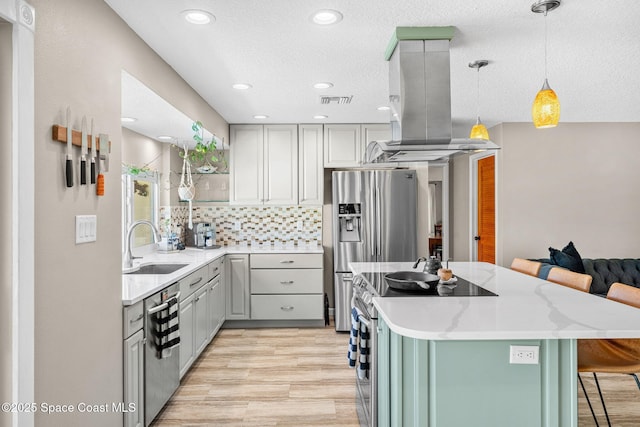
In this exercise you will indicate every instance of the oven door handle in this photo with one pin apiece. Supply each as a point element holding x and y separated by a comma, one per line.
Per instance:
<point>367,322</point>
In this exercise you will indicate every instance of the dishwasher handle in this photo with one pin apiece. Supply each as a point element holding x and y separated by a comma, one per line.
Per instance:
<point>164,305</point>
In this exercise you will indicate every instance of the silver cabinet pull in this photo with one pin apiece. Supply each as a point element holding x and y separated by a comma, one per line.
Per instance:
<point>347,279</point>
<point>286,261</point>
<point>196,282</point>
<point>287,282</point>
<point>137,318</point>
<point>286,308</point>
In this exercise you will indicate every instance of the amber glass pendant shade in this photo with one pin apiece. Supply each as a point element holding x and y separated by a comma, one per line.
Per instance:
<point>479,131</point>
<point>546,108</point>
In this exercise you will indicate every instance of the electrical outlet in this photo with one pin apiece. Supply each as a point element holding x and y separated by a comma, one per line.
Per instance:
<point>236,226</point>
<point>299,225</point>
<point>523,354</point>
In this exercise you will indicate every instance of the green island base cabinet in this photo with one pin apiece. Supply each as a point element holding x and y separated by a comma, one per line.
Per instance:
<point>471,383</point>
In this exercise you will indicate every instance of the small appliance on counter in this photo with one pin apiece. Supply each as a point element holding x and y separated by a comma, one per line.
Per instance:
<point>202,235</point>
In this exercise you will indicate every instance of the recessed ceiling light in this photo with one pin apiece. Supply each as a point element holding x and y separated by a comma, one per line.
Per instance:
<point>326,17</point>
<point>128,119</point>
<point>384,108</point>
<point>242,86</point>
<point>260,116</point>
<point>323,85</point>
<point>320,116</point>
<point>197,16</point>
<point>165,137</point>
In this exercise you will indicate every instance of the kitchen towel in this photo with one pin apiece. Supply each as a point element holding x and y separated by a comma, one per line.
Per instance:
<point>353,337</point>
<point>363,366</point>
<point>167,329</point>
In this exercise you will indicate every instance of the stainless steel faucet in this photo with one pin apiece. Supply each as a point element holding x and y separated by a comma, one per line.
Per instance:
<point>418,262</point>
<point>127,261</point>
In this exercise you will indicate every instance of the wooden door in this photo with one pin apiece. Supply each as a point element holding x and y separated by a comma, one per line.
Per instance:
<point>486,237</point>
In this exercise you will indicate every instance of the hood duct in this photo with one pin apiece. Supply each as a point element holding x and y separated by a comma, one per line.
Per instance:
<point>420,100</point>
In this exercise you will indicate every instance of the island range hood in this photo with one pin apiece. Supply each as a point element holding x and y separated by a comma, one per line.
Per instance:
<point>420,100</point>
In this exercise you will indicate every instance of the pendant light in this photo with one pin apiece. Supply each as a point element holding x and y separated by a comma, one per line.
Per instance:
<point>479,130</point>
<point>546,107</point>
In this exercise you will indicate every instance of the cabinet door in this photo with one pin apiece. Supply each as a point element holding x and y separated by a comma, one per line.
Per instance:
<point>280,165</point>
<point>375,132</point>
<point>134,379</point>
<point>201,316</point>
<point>310,172</point>
<point>238,291</point>
<point>246,164</point>
<point>187,345</point>
<point>342,146</point>
<point>216,307</point>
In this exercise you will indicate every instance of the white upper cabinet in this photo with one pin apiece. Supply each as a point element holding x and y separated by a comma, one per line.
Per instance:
<point>345,145</point>
<point>311,172</point>
<point>342,146</point>
<point>375,132</point>
<point>246,164</point>
<point>280,164</point>
<point>264,165</point>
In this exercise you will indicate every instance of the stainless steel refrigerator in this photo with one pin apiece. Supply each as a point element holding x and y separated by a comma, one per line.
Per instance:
<point>374,220</point>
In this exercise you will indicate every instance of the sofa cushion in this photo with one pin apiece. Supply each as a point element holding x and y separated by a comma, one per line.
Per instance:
<point>568,258</point>
<point>605,272</point>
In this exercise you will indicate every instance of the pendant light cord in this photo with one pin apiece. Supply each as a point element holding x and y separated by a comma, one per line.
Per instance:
<point>478,95</point>
<point>545,45</point>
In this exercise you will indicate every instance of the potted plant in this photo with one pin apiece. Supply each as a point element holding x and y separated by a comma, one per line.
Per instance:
<point>203,152</point>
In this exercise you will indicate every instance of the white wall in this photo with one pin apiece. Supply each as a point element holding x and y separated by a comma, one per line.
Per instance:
<point>80,50</point>
<point>576,182</point>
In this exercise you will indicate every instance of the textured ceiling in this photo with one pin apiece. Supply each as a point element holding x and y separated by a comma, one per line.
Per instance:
<point>593,61</point>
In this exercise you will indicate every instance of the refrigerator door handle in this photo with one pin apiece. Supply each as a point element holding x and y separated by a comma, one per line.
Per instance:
<point>374,250</point>
<point>378,220</point>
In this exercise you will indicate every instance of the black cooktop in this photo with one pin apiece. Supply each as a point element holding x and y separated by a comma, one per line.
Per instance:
<point>461,288</point>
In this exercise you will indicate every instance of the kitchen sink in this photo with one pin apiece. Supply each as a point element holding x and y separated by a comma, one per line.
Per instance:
<point>157,268</point>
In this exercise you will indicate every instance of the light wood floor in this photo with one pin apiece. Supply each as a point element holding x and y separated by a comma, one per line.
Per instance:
<point>267,377</point>
<point>299,377</point>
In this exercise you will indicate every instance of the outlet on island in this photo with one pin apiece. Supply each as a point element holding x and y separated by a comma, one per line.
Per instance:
<point>523,354</point>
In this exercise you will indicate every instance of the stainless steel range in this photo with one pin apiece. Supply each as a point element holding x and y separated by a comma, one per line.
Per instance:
<point>366,286</point>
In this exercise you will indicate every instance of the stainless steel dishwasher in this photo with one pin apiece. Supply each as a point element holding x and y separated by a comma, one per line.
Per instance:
<point>162,350</point>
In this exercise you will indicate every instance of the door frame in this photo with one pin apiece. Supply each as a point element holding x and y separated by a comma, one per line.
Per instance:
<point>446,235</point>
<point>22,187</point>
<point>473,203</point>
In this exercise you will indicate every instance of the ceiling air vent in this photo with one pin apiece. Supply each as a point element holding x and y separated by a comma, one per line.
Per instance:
<point>336,99</point>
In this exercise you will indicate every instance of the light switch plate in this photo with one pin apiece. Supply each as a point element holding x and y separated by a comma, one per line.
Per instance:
<point>86,228</point>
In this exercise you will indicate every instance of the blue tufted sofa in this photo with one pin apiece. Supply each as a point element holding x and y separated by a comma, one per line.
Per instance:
<point>604,272</point>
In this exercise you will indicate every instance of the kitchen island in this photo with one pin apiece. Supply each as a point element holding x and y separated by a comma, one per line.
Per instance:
<point>445,361</point>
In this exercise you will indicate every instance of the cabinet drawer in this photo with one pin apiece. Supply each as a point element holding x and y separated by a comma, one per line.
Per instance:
<point>133,319</point>
<point>194,281</point>
<point>284,307</point>
<point>286,281</point>
<point>286,260</point>
<point>215,268</point>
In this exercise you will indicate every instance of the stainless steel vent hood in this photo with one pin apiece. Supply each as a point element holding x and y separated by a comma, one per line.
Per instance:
<point>420,100</point>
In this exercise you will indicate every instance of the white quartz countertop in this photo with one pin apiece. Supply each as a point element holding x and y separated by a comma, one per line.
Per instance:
<point>136,287</point>
<point>526,308</point>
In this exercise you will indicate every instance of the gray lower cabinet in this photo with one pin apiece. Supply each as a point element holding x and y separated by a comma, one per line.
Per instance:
<point>238,287</point>
<point>134,365</point>
<point>187,343</point>
<point>286,287</point>
<point>198,305</point>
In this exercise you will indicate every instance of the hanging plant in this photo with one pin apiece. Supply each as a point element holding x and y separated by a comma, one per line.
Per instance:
<point>204,151</point>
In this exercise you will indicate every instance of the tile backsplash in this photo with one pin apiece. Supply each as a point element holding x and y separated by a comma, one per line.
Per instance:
<point>251,225</point>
